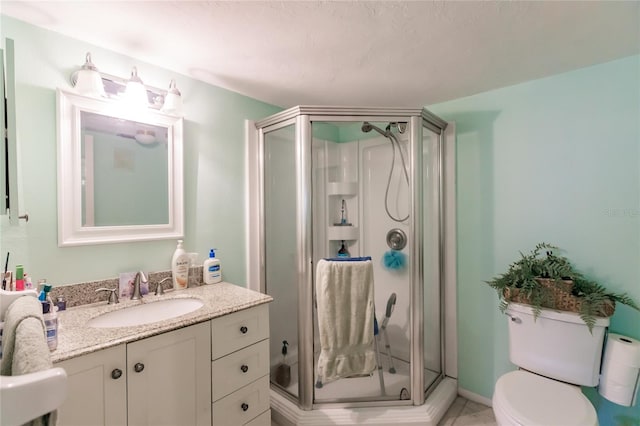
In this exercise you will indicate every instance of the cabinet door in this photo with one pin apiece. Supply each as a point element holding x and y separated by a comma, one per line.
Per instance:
<point>169,378</point>
<point>97,389</point>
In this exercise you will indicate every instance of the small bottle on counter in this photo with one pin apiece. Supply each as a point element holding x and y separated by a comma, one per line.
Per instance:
<point>50,324</point>
<point>28,285</point>
<point>19,278</point>
<point>61,303</point>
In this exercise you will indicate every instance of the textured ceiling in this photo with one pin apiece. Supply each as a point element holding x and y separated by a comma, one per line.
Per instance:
<point>363,53</point>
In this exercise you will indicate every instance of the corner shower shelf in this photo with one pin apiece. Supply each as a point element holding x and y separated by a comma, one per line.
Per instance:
<point>338,233</point>
<point>342,188</point>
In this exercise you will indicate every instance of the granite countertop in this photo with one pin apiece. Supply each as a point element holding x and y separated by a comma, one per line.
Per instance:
<point>75,338</point>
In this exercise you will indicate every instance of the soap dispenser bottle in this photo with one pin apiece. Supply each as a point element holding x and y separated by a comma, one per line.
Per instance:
<point>283,370</point>
<point>180,267</point>
<point>211,269</point>
<point>343,252</point>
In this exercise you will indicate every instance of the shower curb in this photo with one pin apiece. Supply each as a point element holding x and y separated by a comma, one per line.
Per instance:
<point>287,413</point>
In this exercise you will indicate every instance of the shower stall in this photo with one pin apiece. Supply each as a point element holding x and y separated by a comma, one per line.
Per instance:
<point>352,182</point>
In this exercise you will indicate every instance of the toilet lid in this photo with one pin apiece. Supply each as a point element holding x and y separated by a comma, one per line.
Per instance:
<point>537,401</point>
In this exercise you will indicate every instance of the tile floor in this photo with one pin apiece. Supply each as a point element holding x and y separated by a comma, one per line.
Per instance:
<point>468,413</point>
<point>463,413</point>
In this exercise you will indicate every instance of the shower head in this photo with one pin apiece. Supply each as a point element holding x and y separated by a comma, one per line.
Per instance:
<point>367,127</point>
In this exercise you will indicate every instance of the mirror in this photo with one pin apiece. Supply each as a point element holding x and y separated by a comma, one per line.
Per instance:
<point>120,173</point>
<point>8,154</point>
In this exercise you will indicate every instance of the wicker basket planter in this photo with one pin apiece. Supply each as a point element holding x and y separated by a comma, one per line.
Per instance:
<point>563,288</point>
<point>555,294</point>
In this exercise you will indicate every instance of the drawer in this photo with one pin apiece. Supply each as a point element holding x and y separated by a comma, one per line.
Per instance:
<point>234,371</point>
<point>263,419</point>
<point>238,330</point>
<point>243,405</point>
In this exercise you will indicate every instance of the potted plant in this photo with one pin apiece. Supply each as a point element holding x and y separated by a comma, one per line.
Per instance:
<point>543,279</point>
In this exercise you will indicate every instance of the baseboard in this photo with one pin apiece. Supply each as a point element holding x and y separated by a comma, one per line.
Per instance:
<point>474,397</point>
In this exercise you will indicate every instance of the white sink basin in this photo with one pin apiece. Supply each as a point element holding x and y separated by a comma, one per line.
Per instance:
<point>146,313</point>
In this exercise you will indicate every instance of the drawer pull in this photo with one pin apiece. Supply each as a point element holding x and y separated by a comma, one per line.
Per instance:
<point>244,406</point>
<point>243,330</point>
<point>138,367</point>
<point>116,373</point>
<point>244,368</point>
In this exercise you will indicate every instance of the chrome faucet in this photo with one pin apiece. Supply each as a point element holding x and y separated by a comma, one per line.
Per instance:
<point>140,277</point>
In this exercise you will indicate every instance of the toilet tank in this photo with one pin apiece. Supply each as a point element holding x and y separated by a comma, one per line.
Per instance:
<point>557,344</point>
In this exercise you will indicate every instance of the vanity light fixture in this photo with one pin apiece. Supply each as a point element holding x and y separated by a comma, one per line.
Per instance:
<point>135,94</point>
<point>173,100</point>
<point>87,80</point>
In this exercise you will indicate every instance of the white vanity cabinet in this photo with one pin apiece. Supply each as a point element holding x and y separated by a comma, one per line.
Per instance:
<point>212,373</point>
<point>160,380</point>
<point>240,368</point>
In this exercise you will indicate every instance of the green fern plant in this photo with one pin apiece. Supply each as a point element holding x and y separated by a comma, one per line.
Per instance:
<point>524,276</point>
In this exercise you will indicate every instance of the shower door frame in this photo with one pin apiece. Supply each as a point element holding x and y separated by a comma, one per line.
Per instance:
<point>302,118</point>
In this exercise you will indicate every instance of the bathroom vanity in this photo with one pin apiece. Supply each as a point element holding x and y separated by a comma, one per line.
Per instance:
<point>208,367</point>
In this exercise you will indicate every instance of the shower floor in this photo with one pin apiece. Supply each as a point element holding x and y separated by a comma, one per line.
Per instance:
<point>364,387</point>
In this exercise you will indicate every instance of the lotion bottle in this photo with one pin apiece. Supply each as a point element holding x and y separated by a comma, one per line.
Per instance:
<point>180,267</point>
<point>211,269</point>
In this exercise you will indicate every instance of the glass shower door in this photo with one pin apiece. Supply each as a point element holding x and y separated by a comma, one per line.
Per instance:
<point>360,195</point>
<point>280,254</point>
<point>431,177</point>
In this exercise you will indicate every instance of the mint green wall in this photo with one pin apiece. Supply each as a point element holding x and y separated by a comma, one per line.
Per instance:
<point>214,165</point>
<point>554,160</point>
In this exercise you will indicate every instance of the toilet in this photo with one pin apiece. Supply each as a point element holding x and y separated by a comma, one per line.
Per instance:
<point>556,355</point>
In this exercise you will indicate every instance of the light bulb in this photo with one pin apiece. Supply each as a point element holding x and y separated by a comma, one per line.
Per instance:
<point>135,94</point>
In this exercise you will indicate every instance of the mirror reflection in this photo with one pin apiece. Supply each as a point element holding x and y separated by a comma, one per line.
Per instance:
<point>125,177</point>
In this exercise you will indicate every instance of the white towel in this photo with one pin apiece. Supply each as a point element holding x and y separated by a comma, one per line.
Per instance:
<point>344,296</point>
<point>24,345</point>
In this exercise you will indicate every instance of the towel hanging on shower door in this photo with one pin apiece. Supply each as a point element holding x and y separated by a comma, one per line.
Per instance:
<point>344,296</point>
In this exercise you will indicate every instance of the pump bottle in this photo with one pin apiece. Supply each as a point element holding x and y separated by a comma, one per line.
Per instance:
<point>180,267</point>
<point>211,269</point>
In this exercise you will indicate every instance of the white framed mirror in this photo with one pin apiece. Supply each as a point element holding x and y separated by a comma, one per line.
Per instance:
<point>120,172</point>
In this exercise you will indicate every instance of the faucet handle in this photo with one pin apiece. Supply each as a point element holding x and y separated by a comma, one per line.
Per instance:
<point>159,288</point>
<point>113,294</point>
